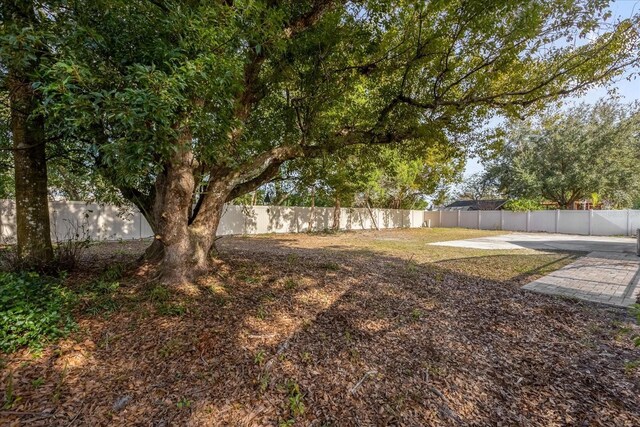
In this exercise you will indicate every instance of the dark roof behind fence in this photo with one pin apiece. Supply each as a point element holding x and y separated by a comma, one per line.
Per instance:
<point>477,205</point>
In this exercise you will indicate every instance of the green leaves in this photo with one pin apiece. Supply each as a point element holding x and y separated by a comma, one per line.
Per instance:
<point>565,156</point>
<point>33,310</point>
<point>523,205</point>
<point>122,76</point>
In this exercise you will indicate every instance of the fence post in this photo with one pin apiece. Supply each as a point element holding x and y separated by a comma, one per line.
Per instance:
<point>528,219</point>
<point>557,219</point>
<point>479,219</point>
<point>590,221</point>
<point>501,219</point>
<point>439,217</point>
<point>458,219</point>
<point>628,223</point>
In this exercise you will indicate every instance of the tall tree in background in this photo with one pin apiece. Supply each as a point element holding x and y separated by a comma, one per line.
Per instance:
<point>22,49</point>
<point>566,156</point>
<point>479,186</point>
<point>195,104</point>
<point>403,179</point>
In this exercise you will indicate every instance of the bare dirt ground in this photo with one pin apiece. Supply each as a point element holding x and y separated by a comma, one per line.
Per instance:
<point>353,329</point>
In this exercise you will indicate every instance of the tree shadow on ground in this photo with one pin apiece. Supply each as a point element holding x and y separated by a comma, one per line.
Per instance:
<point>333,337</point>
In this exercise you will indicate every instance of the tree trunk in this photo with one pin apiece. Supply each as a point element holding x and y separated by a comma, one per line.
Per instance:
<point>32,206</point>
<point>30,164</point>
<point>174,189</point>
<point>185,247</point>
<point>155,251</point>
<point>188,241</point>
<point>203,229</point>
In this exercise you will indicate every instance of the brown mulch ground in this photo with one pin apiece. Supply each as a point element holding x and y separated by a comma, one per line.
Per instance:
<point>334,330</point>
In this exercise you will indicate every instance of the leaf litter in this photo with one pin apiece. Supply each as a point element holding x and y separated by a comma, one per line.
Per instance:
<point>334,330</point>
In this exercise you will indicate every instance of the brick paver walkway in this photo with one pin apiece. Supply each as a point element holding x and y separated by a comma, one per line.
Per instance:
<point>603,277</point>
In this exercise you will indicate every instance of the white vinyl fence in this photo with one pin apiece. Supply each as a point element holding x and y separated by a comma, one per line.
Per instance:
<point>591,222</point>
<point>104,222</point>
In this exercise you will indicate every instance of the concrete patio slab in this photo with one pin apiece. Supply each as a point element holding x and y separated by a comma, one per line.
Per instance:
<point>608,274</point>
<point>546,241</point>
<point>602,277</point>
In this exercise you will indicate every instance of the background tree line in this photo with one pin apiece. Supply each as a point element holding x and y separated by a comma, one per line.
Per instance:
<point>562,156</point>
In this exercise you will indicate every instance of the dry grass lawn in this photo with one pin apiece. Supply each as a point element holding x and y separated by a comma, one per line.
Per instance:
<point>349,329</point>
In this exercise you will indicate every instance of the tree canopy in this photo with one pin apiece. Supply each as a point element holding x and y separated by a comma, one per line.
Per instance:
<point>388,177</point>
<point>570,155</point>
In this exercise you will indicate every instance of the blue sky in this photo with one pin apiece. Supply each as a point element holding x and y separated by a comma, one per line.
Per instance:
<point>628,90</point>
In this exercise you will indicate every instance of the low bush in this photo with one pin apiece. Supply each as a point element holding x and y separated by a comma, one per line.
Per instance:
<point>34,309</point>
<point>520,205</point>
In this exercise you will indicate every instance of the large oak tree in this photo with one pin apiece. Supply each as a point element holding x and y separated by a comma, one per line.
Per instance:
<point>187,105</point>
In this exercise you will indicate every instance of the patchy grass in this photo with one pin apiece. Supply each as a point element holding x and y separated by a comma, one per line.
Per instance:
<point>371,328</point>
<point>413,245</point>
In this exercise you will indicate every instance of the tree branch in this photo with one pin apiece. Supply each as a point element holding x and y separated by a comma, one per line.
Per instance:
<point>266,176</point>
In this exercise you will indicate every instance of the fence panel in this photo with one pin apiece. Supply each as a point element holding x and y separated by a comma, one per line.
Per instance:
<point>345,219</point>
<point>634,221</point>
<point>305,219</point>
<point>68,219</point>
<point>469,219</point>
<point>382,218</point>
<point>573,222</point>
<point>490,220</point>
<point>7,221</point>
<point>450,218</point>
<point>360,219</point>
<point>544,221</point>
<point>434,217</point>
<point>365,219</point>
<point>610,223</point>
<point>514,221</point>
<point>255,219</point>
<point>322,219</point>
<point>116,224</point>
<point>417,218</point>
<point>282,219</point>
<point>233,221</point>
<point>394,218</point>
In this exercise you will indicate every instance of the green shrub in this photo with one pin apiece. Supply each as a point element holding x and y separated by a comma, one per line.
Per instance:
<point>523,205</point>
<point>33,310</point>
